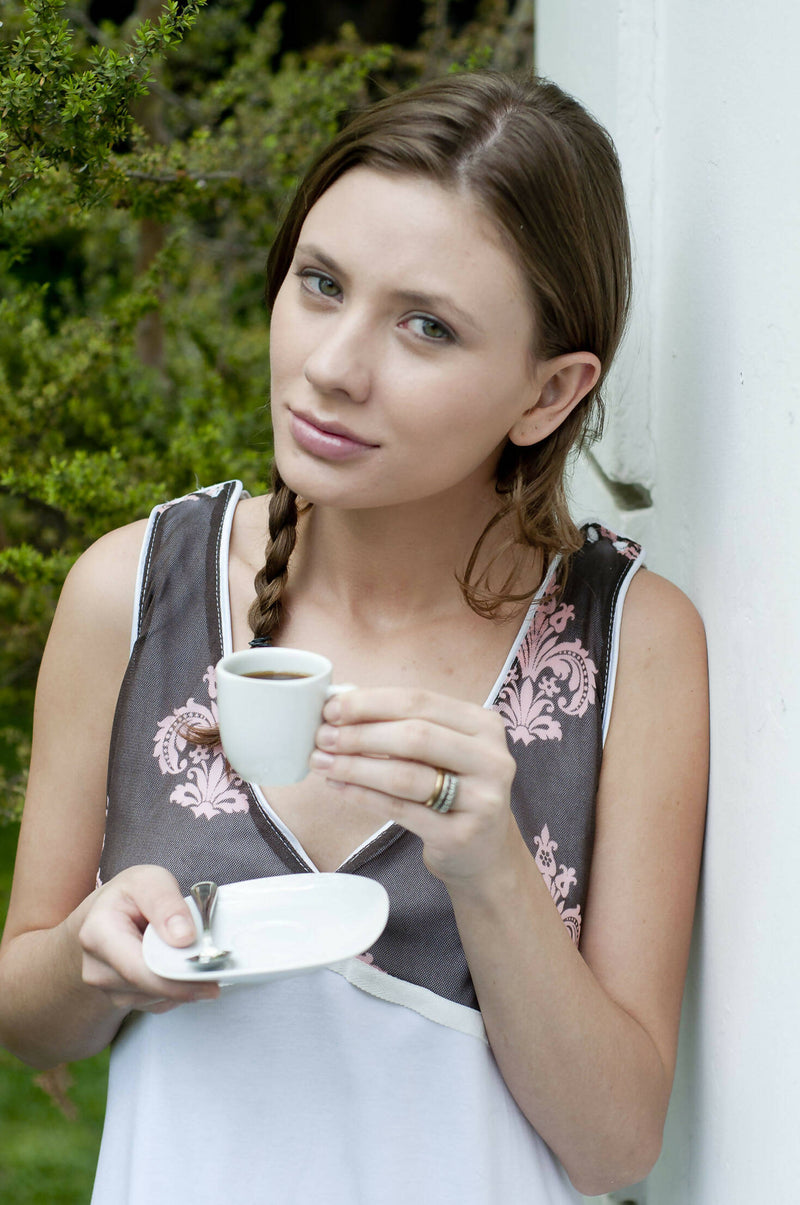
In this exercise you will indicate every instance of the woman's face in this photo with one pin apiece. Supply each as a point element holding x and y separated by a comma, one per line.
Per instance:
<point>400,346</point>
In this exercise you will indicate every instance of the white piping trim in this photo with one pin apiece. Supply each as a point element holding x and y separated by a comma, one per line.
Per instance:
<point>287,833</point>
<point>523,631</point>
<point>389,824</point>
<point>225,621</point>
<point>420,1000</point>
<point>137,596</point>
<point>613,654</point>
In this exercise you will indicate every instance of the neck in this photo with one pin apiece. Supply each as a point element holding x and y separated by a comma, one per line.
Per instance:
<point>399,563</point>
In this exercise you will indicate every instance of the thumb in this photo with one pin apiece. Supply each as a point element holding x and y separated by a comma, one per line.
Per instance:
<point>159,899</point>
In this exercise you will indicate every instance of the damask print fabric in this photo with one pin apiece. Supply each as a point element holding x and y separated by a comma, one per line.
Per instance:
<point>209,787</point>
<point>560,879</point>
<point>552,677</point>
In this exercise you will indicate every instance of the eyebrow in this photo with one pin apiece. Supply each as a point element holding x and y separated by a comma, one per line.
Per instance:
<point>415,297</point>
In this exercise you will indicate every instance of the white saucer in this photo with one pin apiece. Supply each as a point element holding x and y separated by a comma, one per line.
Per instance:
<point>280,926</point>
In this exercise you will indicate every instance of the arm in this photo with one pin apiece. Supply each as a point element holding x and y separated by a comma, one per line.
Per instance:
<point>585,1041</point>
<point>594,1074</point>
<point>70,962</point>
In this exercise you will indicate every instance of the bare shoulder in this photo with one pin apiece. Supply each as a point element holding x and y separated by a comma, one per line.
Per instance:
<point>658,618</point>
<point>662,676</point>
<point>249,531</point>
<point>92,624</point>
<point>657,743</point>
<point>103,579</point>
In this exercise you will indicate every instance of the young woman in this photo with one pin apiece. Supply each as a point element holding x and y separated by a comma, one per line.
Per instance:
<point>523,764</point>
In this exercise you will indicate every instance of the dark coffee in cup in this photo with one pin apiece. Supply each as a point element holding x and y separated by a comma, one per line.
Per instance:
<point>275,675</point>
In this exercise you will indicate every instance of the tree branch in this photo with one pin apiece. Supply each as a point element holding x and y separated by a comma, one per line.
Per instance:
<point>192,108</point>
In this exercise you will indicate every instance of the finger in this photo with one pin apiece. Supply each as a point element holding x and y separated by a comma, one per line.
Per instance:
<point>154,894</point>
<point>166,1006</point>
<point>113,962</point>
<point>137,1002</point>
<point>419,740</point>
<point>142,1003</point>
<point>130,984</point>
<point>159,1006</point>
<point>404,780</point>
<point>398,703</point>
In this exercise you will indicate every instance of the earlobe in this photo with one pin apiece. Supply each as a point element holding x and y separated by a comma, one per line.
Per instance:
<point>560,384</point>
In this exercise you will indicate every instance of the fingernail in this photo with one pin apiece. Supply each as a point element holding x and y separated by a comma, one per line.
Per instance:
<point>320,760</point>
<point>327,736</point>
<point>332,711</point>
<point>179,927</point>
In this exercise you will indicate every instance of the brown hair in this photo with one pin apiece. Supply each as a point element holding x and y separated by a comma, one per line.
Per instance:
<point>547,175</point>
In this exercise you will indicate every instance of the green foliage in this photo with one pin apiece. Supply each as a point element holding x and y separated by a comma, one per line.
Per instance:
<point>60,106</point>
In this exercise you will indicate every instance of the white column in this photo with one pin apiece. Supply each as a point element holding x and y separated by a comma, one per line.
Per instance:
<point>702,99</point>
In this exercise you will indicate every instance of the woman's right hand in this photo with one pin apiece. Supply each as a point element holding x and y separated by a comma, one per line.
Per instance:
<point>71,964</point>
<point>110,938</point>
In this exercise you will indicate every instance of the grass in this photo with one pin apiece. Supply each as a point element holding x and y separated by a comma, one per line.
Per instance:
<point>49,1127</point>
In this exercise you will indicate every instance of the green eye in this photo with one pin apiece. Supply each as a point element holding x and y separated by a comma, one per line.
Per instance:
<point>430,329</point>
<point>433,329</point>
<point>318,283</point>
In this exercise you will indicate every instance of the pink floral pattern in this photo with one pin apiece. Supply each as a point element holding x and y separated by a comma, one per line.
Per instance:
<point>370,961</point>
<point>559,879</point>
<point>209,786</point>
<point>551,677</point>
<point>624,547</point>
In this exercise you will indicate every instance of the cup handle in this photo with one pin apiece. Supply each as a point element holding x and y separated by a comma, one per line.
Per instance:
<point>341,689</point>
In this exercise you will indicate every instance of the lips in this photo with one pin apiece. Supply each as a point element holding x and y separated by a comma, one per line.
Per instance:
<point>328,440</point>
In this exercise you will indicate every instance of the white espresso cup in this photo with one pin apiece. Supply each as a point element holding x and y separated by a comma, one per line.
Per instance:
<point>269,703</point>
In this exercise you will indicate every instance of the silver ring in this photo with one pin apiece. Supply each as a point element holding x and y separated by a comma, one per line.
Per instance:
<point>443,799</point>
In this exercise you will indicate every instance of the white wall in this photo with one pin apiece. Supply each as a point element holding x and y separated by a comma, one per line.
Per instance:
<point>703,99</point>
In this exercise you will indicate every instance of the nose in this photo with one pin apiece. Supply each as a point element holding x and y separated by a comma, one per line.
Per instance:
<point>339,360</point>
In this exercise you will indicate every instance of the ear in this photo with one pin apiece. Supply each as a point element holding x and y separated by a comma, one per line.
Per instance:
<point>559,385</point>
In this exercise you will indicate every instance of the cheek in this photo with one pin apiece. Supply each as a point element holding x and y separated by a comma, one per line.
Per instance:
<point>281,335</point>
<point>475,413</point>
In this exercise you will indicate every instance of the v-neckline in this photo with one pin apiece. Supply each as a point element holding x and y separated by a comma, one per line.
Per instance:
<point>390,829</point>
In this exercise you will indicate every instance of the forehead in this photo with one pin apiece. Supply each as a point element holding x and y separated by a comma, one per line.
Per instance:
<point>430,237</point>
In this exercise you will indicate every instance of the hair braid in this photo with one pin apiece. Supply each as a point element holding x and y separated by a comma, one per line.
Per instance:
<point>267,610</point>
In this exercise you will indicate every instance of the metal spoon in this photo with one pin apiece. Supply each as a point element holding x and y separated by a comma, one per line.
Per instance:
<point>209,958</point>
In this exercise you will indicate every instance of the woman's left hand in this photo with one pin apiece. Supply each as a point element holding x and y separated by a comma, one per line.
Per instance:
<point>384,748</point>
